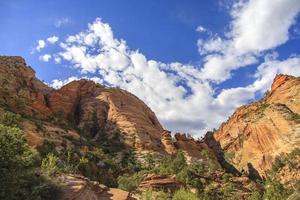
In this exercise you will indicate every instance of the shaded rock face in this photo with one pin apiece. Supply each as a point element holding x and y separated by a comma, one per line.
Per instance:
<point>75,187</point>
<point>19,89</point>
<point>159,182</point>
<point>256,133</point>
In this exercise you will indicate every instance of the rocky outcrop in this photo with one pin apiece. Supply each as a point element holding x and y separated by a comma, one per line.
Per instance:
<point>79,104</point>
<point>168,142</point>
<point>159,182</point>
<point>87,103</point>
<point>256,133</point>
<point>193,149</point>
<point>56,115</point>
<point>76,187</point>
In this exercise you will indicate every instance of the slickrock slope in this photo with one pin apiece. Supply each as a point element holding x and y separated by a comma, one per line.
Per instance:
<point>75,187</point>
<point>256,133</point>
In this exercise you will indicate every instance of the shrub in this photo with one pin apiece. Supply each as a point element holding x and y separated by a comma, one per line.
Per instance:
<point>275,190</point>
<point>49,164</point>
<point>17,168</point>
<point>255,196</point>
<point>183,194</point>
<point>155,195</point>
<point>46,148</point>
<point>170,165</point>
<point>10,119</point>
<point>130,182</point>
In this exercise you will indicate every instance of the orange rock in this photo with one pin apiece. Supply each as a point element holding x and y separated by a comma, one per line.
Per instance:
<point>255,134</point>
<point>159,182</point>
<point>76,187</point>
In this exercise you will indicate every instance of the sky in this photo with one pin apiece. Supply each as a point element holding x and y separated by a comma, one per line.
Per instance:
<point>192,62</point>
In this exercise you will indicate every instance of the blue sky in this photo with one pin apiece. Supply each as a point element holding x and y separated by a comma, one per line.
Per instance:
<point>193,62</point>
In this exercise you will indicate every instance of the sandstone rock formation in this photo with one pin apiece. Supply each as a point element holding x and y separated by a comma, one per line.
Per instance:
<point>75,187</point>
<point>256,133</point>
<point>159,182</point>
<point>82,104</point>
<point>55,115</point>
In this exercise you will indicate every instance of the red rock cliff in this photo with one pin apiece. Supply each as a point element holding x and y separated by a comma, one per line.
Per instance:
<point>255,134</point>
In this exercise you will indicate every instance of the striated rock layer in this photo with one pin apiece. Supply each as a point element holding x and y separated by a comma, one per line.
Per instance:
<point>259,132</point>
<point>56,115</point>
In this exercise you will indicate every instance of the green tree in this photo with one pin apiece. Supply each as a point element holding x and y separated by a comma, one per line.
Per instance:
<point>274,190</point>
<point>17,168</point>
<point>130,182</point>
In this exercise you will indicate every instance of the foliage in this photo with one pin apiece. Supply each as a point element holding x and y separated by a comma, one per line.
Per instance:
<point>228,191</point>
<point>255,196</point>
<point>130,182</point>
<point>49,164</point>
<point>17,168</point>
<point>155,195</point>
<point>46,147</point>
<point>10,119</point>
<point>274,190</point>
<point>229,156</point>
<point>170,165</point>
<point>183,194</point>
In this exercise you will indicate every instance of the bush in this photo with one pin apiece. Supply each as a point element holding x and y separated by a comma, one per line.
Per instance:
<point>17,168</point>
<point>130,182</point>
<point>46,148</point>
<point>183,194</point>
<point>155,195</point>
<point>10,119</point>
<point>49,164</point>
<point>275,190</point>
<point>170,165</point>
<point>255,196</point>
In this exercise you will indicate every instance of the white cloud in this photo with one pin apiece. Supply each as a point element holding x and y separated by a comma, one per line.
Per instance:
<point>52,39</point>
<point>40,45</point>
<point>182,95</point>
<point>57,83</point>
<point>61,22</point>
<point>45,57</point>
<point>257,25</point>
<point>263,24</point>
<point>200,29</point>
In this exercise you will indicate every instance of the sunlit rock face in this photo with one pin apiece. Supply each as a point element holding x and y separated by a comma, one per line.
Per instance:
<point>88,106</point>
<point>256,133</point>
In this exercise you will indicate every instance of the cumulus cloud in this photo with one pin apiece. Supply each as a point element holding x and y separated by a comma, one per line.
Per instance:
<point>249,36</point>
<point>200,29</point>
<point>40,45</point>
<point>183,96</point>
<point>45,57</point>
<point>52,39</point>
<point>57,83</point>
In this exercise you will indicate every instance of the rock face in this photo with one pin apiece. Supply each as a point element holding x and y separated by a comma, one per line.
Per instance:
<point>75,187</point>
<point>56,115</point>
<point>86,103</point>
<point>83,104</point>
<point>256,133</point>
<point>159,182</point>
